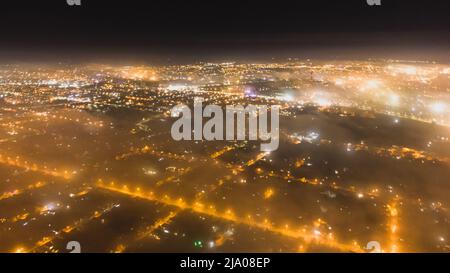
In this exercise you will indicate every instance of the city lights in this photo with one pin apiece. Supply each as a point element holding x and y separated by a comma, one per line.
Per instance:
<point>89,149</point>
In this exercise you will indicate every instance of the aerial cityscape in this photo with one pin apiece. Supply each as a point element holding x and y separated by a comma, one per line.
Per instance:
<point>86,155</point>
<point>224,135</point>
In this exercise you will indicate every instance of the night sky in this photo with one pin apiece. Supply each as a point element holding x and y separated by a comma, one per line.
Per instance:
<point>175,29</point>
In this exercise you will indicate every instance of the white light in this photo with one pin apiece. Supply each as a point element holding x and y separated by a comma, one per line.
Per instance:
<point>314,135</point>
<point>394,100</point>
<point>322,102</point>
<point>49,207</point>
<point>317,232</point>
<point>372,84</point>
<point>286,97</point>
<point>438,107</point>
<point>211,244</point>
<point>339,82</point>
<point>410,70</point>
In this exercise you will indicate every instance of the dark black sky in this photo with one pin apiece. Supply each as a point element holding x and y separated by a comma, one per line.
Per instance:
<point>215,28</point>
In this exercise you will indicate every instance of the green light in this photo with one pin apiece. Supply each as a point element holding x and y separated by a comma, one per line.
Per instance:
<point>198,244</point>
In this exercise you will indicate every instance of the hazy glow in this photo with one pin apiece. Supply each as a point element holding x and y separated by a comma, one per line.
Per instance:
<point>394,100</point>
<point>438,107</point>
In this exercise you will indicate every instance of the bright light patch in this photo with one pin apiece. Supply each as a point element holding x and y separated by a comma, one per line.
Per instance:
<point>322,102</point>
<point>394,100</point>
<point>339,82</point>
<point>438,107</point>
<point>372,84</point>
